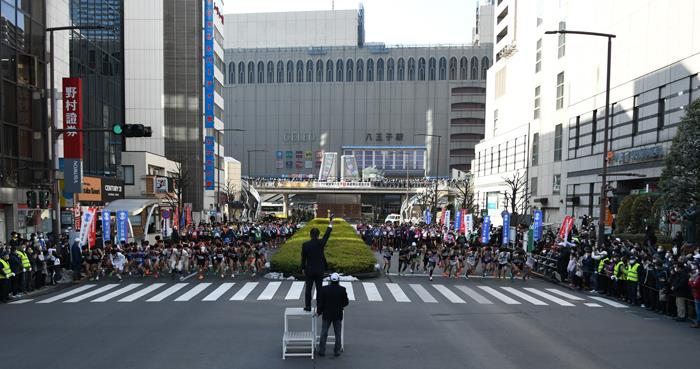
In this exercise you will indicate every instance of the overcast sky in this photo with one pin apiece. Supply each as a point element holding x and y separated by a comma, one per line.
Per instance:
<point>388,21</point>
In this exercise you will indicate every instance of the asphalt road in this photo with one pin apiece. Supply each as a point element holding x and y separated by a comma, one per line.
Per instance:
<point>154,330</point>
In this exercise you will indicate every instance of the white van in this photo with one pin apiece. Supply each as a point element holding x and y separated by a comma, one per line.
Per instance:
<point>391,218</point>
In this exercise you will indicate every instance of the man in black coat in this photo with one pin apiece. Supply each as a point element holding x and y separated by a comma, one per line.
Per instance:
<point>313,262</point>
<point>332,299</point>
<point>76,258</point>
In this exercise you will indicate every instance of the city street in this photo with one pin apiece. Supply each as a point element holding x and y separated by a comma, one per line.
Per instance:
<point>398,322</point>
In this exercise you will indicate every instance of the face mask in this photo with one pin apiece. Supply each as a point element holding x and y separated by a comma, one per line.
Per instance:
<point>633,262</point>
<point>660,249</point>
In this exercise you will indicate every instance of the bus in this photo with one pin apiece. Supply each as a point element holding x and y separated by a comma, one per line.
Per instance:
<point>275,209</point>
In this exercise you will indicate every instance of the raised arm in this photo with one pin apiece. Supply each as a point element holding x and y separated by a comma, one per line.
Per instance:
<point>327,234</point>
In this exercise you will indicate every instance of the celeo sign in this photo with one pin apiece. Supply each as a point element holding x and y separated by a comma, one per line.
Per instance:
<point>73,137</point>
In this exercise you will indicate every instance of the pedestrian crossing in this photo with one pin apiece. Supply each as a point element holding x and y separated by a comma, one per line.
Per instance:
<point>368,292</point>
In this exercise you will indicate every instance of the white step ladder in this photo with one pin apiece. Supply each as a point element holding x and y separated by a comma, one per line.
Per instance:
<point>298,343</point>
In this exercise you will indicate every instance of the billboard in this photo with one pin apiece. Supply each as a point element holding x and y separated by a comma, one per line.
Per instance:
<point>349,168</point>
<point>209,161</point>
<point>208,63</point>
<point>328,166</point>
<point>73,137</point>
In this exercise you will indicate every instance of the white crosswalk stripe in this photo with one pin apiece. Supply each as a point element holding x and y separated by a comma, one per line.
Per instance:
<point>349,290</point>
<point>549,297</point>
<point>449,294</point>
<point>92,293</point>
<point>397,292</point>
<point>19,302</point>
<point>214,295</point>
<point>474,295</point>
<point>169,291</point>
<point>593,305</point>
<point>244,291</point>
<point>116,293</point>
<point>72,292</point>
<point>564,294</point>
<point>141,293</point>
<point>371,291</point>
<point>423,293</point>
<point>187,296</point>
<point>295,291</point>
<point>269,291</point>
<point>499,295</point>
<point>609,302</point>
<point>524,296</point>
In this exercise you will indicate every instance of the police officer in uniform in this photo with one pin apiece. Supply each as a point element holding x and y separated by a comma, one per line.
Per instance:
<point>632,273</point>
<point>313,261</point>
<point>332,299</point>
<point>5,275</point>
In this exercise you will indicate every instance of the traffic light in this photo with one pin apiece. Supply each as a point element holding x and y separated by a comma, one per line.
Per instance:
<point>31,199</point>
<point>44,199</point>
<point>132,130</point>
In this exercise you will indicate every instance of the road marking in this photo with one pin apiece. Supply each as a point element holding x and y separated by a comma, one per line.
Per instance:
<point>423,293</point>
<point>269,291</point>
<point>187,296</point>
<point>67,294</point>
<point>474,295</point>
<point>214,295</point>
<point>525,296</point>
<point>609,302</point>
<point>499,295</point>
<point>349,290</point>
<point>141,293</point>
<point>449,294</point>
<point>244,291</point>
<point>549,297</point>
<point>371,291</point>
<point>116,293</point>
<point>593,305</point>
<point>19,302</point>
<point>96,292</point>
<point>397,292</point>
<point>295,291</point>
<point>172,289</point>
<point>313,295</point>
<point>564,294</point>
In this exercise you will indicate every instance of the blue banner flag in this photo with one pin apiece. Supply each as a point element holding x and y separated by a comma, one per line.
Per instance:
<point>122,225</point>
<point>506,228</point>
<point>486,230</point>
<point>458,220</point>
<point>428,217</point>
<point>106,229</point>
<point>537,228</point>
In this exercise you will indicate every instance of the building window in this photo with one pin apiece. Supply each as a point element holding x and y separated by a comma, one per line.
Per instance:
<point>251,72</point>
<point>463,67</point>
<point>290,71</point>
<point>495,121</point>
<point>241,73</point>
<point>538,56</point>
<point>453,68</point>
<point>370,70</point>
<point>578,132</point>
<point>400,70</point>
<point>443,69</point>
<point>475,68</point>
<point>231,72</point>
<point>594,128</point>
<point>411,69</point>
<point>128,173</point>
<point>484,66</point>
<point>329,71</point>
<point>421,69</point>
<point>536,113</point>
<point>300,71</point>
<point>557,142</point>
<point>562,41</point>
<point>360,70</point>
<point>661,114</point>
<point>431,69</point>
<point>380,69</point>
<point>533,186</point>
<point>535,149</point>
<point>390,70</point>
<point>319,71</point>
<point>350,68</point>
<point>280,72</point>
<point>261,72</point>
<point>635,117</point>
<point>560,90</point>
<point>339,70</point>
<point>556,184</point>
<point>270,72</point>
<point>309,71</point>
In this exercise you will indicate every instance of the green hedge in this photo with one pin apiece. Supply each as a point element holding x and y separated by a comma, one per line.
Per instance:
<point>345,251</point>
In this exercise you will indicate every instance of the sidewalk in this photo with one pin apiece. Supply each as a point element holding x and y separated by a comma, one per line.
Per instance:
<point>65,282</point>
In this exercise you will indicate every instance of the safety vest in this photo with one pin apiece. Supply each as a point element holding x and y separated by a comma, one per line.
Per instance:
<point>601,265</point>
<point>25,259</point>
<point>619,271</point>
<point>632,275</point>
<point>6,271</point>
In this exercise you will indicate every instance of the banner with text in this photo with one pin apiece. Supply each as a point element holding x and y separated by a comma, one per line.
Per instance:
<point>106,226</point>
<point>122,225</point>
<point>208,63</point>
<point>506,228</point>
<point>73,137</point>
<point>209,162</point>
<point>486,230</point>
<point>537,226</point>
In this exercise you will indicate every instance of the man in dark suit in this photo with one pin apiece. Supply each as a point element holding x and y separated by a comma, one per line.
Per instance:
<point>313,261</point>
<point>332,299</point>
<point>76,258</point>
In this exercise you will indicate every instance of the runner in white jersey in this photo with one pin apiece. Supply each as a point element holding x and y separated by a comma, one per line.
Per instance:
<point>118,260</point>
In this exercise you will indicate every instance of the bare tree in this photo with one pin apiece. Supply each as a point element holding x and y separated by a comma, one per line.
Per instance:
<point>231,191</point>
<point>465,193</point>
<point>181,180</point>
<point>517,196</point>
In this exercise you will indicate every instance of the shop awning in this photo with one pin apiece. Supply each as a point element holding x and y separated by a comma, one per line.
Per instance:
<point>133,206</point>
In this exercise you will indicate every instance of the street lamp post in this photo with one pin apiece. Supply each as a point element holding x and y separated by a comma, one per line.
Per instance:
<point>437,169</point>
<point>51,130</point>
<point>604,173</point>
<point>248,170</point>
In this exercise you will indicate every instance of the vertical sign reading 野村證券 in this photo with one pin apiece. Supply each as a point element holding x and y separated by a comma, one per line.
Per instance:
<point>208,63</point>
<point>73,137</point>
<point>209,162</point>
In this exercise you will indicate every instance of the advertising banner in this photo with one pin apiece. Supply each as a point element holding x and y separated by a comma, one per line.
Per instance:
<point>86,225</point>
<point>92,234</point>
<point>208,63</point>
<point>209,162</point>
<point>73,137</point>
<point>506,228</point>
<point>463,220</point>
<point>537,226</point>
<point>188,213</point>
<point>122,226</point>
<point>469,223</point>
<point>350,170</point>
<point>566,226</point>
<point>328,166</point>
<point>446,219</point>
<point>428,217</point>
<point>486,230</point>
<point>458,221</point>
<point>106,226</point>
